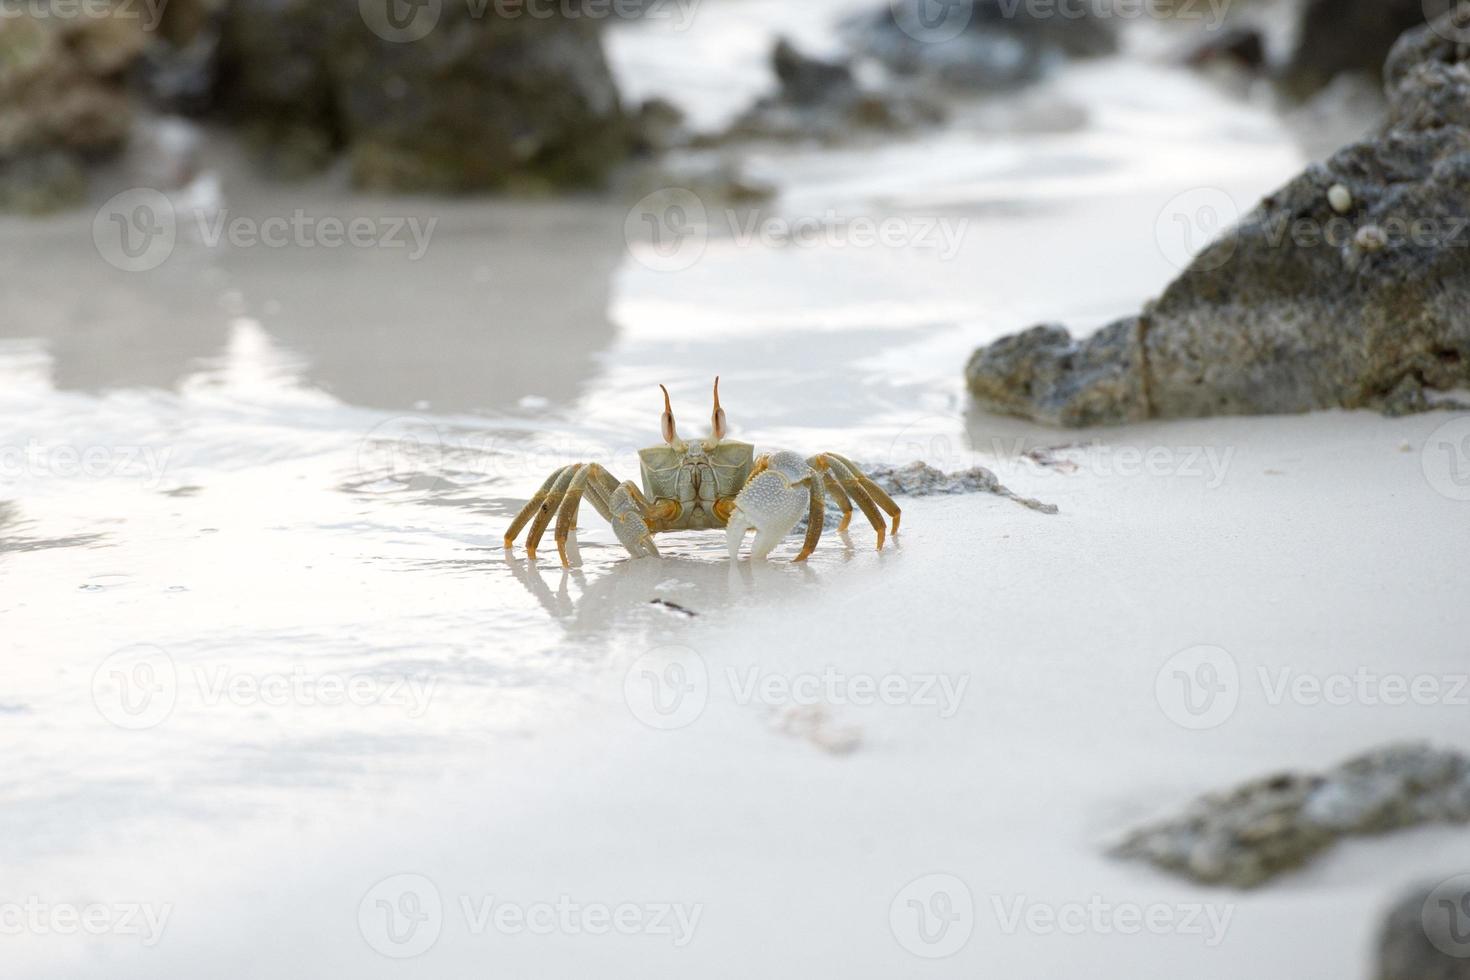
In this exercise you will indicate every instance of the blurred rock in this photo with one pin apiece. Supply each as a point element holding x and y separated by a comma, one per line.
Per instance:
<point>1338,36</point>
<point>476,102</point>
<point>1249,835</point>
<point>63,100</point>
<point>179,70</point>
<point>659,126</point>
<point>978,44</point>
<point>1407,949</point>
<point>1297,307</point>
<point>1240,47</point>
<point>821,100</point>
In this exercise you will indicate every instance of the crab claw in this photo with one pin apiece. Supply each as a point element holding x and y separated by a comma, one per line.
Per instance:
<point>773,500</point>
<point>630,527</point>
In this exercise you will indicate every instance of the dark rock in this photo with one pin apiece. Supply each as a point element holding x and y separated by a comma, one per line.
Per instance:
<point>659,126</point>
<point>1299,306</point>
<point>919,479</point>
<point>179,70</point>
<point>810,81</point>
<point>821,100</point>
<point>1337,36</point>
<point>1424,937</point>
<point>1276,824</point>
<point>1042,373</point>
<point>478,101</point>
<point>979,44</point>
<point>1240,46</point>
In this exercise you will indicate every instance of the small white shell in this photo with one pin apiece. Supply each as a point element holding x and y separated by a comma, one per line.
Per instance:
<point>1370,238</point>
<point>1340,198</point>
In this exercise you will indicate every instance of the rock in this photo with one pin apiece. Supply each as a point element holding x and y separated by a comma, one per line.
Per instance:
<point>659,126</point>
<point>479,101</point>
<point>1044,374</point>
<point>1240,46</point>
<point>1417,941</point>
<point>1336,36</point>
<point>63,101</point>
<point>1249,835</point>
<point>179,71</point>
<point>978,44</point>
<point>919,479</point>
<point>821,100</point>
<point>1297,307</point>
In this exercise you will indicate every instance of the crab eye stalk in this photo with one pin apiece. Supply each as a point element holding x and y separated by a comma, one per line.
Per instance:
<point>666,420</point>
<point>717,417</point>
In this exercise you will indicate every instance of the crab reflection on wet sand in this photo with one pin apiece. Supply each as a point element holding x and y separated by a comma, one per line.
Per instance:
<point>703,485</point>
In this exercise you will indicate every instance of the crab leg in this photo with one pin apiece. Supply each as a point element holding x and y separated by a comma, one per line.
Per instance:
<point>835,489</point>
<point>876,492</point>
<point>566,516</point>
<point>815,518</point>
<point>537,499</point>
<point>855,489</point>
<point>550,507</point>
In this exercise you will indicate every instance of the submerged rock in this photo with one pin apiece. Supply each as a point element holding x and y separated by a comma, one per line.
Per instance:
<point>821,100</point>
<point>1268,826</point>
<point>919,479</point>
<point>979,44</point>
<point>1424,937</point>
<point>1298,307</point>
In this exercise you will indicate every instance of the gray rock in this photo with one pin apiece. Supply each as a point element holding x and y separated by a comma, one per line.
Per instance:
<point>978,44</point>
<point>480,101</point>
<point>1416,943</point>
<point>822,101</point>
<point>919,479</point>
<point>1297,307</point>
<point>1336,36</point>
<point>1249,835</point>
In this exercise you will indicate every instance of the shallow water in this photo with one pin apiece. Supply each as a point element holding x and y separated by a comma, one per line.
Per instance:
<point>296,465</point>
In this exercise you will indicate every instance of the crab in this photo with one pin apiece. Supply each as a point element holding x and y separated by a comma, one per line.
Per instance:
<point>706,484</point>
